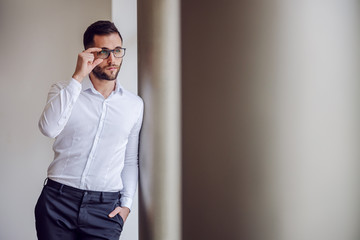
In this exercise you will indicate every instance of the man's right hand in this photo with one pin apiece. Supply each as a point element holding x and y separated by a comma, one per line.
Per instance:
<point>86,62</point>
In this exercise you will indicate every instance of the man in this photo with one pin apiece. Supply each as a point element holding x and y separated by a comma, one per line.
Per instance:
<point>96,125</point>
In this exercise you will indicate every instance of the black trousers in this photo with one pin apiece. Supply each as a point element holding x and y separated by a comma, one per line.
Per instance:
<point>67,213</point>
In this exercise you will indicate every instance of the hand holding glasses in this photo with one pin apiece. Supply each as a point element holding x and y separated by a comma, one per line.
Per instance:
<point>105,53</point>
<point>91,57</point>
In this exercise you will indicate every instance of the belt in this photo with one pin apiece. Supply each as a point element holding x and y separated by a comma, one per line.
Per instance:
<point>64,188</point>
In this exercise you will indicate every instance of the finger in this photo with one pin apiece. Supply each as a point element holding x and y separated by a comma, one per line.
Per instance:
<point>87,55</point>
<point>89,58</point>
<point>93,49</point>
<point>114,212</point>
<point>97,62</point>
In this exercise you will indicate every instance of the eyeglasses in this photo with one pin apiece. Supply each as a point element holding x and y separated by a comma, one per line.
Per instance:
<point>105,53</point>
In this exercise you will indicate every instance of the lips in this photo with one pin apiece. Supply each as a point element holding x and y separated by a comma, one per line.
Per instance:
<point>111,68</point>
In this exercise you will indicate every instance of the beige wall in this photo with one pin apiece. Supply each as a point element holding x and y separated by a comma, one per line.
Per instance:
<point>270,120</point>
<point>39,43</point>
<point>226,85</point>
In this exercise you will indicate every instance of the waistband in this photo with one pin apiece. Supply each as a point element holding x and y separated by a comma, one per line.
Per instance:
<point>65,188</point>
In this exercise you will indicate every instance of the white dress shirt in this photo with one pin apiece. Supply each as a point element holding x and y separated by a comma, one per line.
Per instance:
<point>96,139</point>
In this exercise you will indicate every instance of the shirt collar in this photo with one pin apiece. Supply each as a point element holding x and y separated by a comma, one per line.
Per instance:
<point>87,85</point>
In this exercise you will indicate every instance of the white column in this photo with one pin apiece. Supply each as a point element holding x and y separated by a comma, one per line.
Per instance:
<point>159,77</point>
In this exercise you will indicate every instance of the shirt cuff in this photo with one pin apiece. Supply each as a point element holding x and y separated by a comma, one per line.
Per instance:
<point>126,202</point>
<point>74,86</point>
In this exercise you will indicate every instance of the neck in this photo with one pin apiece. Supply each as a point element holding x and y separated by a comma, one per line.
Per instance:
<point>105,87</point>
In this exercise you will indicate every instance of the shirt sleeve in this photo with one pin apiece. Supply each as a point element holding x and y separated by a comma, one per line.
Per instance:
<point>58,108</point>
<point>130,171</point>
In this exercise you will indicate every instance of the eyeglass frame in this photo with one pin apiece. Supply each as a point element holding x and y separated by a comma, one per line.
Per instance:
<point>112,51</point>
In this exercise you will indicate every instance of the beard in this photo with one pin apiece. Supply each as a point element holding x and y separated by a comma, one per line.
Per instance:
<point>101,74</point>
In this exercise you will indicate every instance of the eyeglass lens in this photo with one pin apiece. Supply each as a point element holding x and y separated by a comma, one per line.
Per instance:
<point>118,53</point>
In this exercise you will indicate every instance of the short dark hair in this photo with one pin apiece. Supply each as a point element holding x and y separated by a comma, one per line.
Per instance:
<point>99,28</point>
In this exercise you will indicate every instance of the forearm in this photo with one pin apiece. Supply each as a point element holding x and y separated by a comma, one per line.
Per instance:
<point>131,165</point>
<point>130,179</point>
<point>60,102</point>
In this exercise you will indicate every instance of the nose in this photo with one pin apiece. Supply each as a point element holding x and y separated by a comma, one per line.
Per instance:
<point>111,58</point>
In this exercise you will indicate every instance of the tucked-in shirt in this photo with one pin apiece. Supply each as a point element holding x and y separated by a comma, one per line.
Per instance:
<point>96,139</point>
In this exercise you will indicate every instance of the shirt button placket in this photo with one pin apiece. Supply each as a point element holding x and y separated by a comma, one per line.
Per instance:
<point>95,143</point>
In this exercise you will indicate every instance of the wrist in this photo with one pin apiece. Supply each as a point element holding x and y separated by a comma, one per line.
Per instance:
<point>77,77</point>
<point>126,208</point>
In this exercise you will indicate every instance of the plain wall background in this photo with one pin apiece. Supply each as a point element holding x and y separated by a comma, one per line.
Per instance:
<point>270,120</point>
<point>39,43</point>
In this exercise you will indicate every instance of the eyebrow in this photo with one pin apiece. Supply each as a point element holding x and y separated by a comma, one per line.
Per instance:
<point>105,48</point>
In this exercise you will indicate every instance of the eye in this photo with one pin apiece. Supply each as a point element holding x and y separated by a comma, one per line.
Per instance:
<point>103,54</point>
<point>117,50</point>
